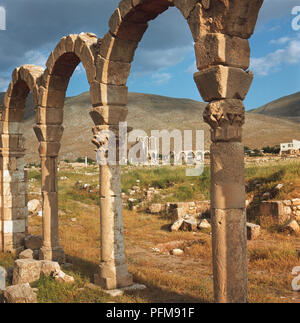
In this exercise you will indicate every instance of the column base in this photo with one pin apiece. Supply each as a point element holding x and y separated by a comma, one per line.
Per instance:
<point>113,283</point>
<point>111,277</point>
<point>52,254</point>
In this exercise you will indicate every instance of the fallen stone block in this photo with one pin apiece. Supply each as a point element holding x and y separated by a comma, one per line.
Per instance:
<point>60,276</point>
<point>26,254</point>
<point>26,271</point>
<point>291,227</point>
<point>21,293</point>
<point>204,224</point>
<point>253,231</point>
<point>176,225</point>
<point>49,268</point>
<point>189,225</point>
<point>177,252</point>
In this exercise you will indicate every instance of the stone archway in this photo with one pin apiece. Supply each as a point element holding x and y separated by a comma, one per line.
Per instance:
<point>62,62</point>
<point>13,198</point>
<point>220,29</point>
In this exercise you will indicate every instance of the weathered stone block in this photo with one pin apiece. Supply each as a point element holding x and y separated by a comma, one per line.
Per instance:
<point>50,149</point>
<point>49,133</point>
<point>222,82</point>
<point>49,116</point>
<point>110,115</point>
<point>272,213</point>
<point>112,72</point>
<point>185,6</point>
<point>116,49</point>
<point>26,271</point>
<point>104,94</point>
<point>253,231</point>
<point>22,293</point>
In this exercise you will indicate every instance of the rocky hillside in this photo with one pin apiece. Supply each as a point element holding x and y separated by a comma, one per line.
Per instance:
<point>153,112</point>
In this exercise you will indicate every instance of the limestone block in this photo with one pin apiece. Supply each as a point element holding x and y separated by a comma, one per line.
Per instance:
<point>70,42</point>
<point>18,201</point>
<point>110,115</point>
<point>9,176</point>
<point>13,142</point>
<point>26,254</point>
<point>14,213</point>
<point>104,94</point>
<point>49,116</point>
<point>12,241</point>
<point>227,175</point>
<point>21,293</point>
<point>292,227</point>
<point>115,49</point>
<point>15,113</point>
<point>185,6</point>
<point>125,6</point>
<point>126,30</point>
<point>253,231</point>
<point>33,242</point>
<point>51,98</point>
<point>50,149</point>
<point>272,213</point>
<point>49,268</point>
<point>26,271</point>
<point>111,276</point>
<point>222,82</point>
<point>12,226</point>
<point>111,72</point>
<point>13,128</point>
<point>49,133</point>
<point>34,206</point>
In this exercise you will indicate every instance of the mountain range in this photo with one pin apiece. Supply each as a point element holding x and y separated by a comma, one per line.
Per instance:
<point>269,125</point>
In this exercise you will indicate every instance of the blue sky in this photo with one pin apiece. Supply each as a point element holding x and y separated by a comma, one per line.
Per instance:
<point>164,62</point>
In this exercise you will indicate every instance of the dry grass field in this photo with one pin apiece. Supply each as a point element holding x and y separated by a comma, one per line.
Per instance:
<point>186,278</point>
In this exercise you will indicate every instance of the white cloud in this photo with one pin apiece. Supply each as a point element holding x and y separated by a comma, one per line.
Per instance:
<point>35,57</point>
<point>280,41</point>
<point>150,61</point>
<point>161,78</point>
<point>272,62</point>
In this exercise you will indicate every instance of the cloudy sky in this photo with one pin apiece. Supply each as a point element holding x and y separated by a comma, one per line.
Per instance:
<point>164,63</point>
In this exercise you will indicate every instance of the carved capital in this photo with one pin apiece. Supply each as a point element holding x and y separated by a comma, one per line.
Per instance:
<point>226,118</point>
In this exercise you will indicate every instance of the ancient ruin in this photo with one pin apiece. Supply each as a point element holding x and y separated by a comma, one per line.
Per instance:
<point>221,29</point>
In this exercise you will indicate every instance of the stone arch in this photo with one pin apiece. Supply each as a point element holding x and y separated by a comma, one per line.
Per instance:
<point>220,29</point>
<point>61,64</point>
<point>13,199</point>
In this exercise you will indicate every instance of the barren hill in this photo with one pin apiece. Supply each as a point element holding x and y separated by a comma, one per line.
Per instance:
<point>287,107</point>
<point>153,112</point>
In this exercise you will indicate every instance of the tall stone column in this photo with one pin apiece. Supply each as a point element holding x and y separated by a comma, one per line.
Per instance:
<point>223,81</point>
<point>13,204</point>
<point>228,214</point>
<point>112,271</point>
<point>51,249</point>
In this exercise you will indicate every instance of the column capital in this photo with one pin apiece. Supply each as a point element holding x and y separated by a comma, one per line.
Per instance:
<point>226,118</point>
